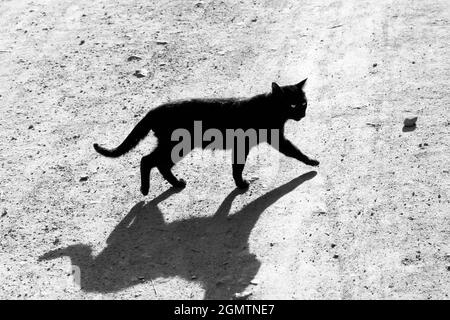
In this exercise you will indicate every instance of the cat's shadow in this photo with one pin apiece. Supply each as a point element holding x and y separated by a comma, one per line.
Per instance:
<point>211,250</point>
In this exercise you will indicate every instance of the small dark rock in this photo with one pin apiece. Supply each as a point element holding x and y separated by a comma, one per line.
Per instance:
<point>374,65</point>
<point>82,42</point>
<point>56,242</point>
<point>335,256</point>
<point>141,73</point>
<point>410,121</point>
<point>84,178</point>
<point>31,126</point>
<point>254,282</point>
<point>134,58</point>
<point>4,213</point>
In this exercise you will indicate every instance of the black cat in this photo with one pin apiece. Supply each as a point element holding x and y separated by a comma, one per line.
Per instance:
<point>262,113</point>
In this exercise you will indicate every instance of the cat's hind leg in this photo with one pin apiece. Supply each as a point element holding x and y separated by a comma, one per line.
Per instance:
<point>167,173</point>
<point>147,163</point>
<point>165,165</point>
<point>238,168</point>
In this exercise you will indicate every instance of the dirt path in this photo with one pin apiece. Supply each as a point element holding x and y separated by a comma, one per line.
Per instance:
<point>371,222</point>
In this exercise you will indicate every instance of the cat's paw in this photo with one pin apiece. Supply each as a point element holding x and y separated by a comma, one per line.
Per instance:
<point>144,190</point>
<point>312,162</point>
<point>242,184</point>
<point>180,184</point>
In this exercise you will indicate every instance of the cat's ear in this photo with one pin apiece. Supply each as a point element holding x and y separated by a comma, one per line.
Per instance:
<point>276,90</point>
<point>301,83</point>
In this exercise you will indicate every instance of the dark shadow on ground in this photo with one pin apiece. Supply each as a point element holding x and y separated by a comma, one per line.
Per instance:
<point>212,250</point>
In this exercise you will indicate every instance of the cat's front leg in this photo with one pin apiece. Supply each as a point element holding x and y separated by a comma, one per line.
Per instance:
<point>240,182</point>
<point>289,149</point>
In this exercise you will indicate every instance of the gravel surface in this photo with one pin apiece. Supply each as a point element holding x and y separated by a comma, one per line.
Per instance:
<point>371,222</point>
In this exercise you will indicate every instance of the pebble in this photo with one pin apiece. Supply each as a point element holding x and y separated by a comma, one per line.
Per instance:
<point>134,58</point>
<point>4,213</point>
<point>410,121</point>
<point>141,73</point>
<point>242,296</point>
<point>83,178</point>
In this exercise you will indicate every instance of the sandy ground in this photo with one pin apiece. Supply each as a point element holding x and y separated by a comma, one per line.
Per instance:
<point>371,222</point>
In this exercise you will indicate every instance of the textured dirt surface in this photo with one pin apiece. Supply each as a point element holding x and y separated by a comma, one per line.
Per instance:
<point>371,222</point>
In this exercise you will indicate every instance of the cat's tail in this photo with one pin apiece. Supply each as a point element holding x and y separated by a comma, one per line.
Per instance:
<point>136,135</point>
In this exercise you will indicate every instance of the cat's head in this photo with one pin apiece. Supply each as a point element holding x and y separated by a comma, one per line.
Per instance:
<point>291,99</point>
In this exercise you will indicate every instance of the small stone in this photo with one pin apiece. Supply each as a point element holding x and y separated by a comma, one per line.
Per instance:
<point>335,256</point>
<point>83,178</point>
<point>134,58</point>
<point>194,277</point>
<point>333,245</point>
<point>82,42</point>
<point>254,282</point>
<point>56,241</point>
<point>4,213</point>
<point>242,296</point>
<point>374,65</point>
<point>410,121</point>
<point>31,126</point>
<point>141,73</point>
<point>161,42</point>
